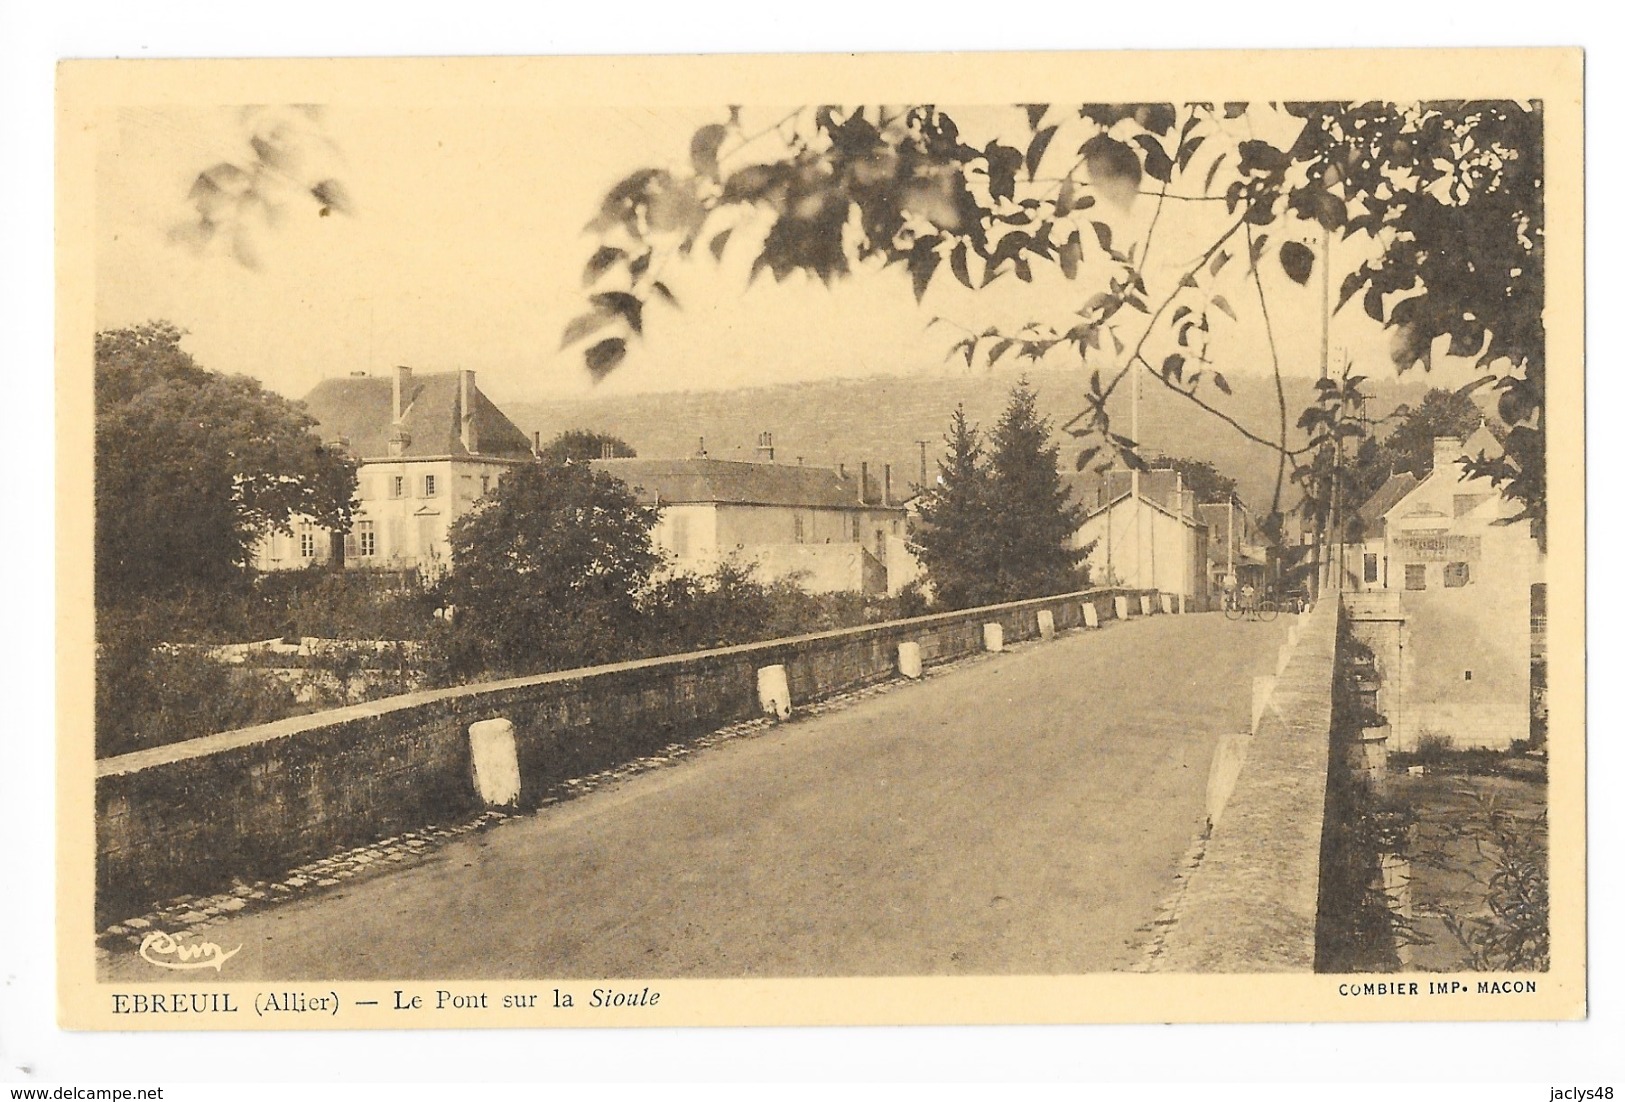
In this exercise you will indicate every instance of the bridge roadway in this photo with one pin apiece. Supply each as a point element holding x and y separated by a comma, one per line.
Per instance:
<point>1022,814</point>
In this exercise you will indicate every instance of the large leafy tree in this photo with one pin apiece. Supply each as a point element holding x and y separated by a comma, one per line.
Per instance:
<point>1032,515</point>
<point>546,571</point>
<point>1444,198</point>
<point>194,467</point>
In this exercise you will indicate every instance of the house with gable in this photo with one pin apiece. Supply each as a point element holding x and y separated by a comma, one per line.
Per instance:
<point>1143,531</point>
<point>428,446</point>
<point>1452,596</point>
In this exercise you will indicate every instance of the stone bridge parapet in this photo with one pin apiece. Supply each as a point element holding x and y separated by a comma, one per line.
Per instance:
<point>191,816</point>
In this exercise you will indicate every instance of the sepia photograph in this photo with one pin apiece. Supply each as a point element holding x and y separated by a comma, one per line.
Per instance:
<point>543,536</point>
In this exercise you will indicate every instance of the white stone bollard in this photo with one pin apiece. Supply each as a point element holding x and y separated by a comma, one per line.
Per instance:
<point>1167,600</point>
<point>993,637</point>
<point>496,761</point>
<point>1046,624</point>
<point>1091,615</point>
<point>1145,604</point>
<point>1263,688</point>
<point>908,661</point>
<point>1228,757</point>
<point>773,691</point>
<point>1120,606</point>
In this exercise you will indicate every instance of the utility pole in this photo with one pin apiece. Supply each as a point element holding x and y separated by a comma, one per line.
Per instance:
<point>1320,562</point>
<point>1134,476</point>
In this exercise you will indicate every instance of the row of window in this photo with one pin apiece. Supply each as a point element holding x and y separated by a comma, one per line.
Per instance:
<point>1456,575</point>
<point>427,485</point>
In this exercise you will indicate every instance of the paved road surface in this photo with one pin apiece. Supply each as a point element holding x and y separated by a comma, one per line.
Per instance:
<point>1023,813</point>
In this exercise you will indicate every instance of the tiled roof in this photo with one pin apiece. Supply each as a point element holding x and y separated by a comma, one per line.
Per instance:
<point>1094,489</point>
<point>360,409</point>
<point>722,481</point>
<point>1387,496</point>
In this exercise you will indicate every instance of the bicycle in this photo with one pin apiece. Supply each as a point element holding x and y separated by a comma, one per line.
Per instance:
<point>1263,610</point>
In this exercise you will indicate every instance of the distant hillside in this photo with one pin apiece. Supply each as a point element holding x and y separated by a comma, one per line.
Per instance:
<point>880,419</point>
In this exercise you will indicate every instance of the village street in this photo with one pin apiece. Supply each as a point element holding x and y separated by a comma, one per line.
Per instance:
<point>1022,813</point>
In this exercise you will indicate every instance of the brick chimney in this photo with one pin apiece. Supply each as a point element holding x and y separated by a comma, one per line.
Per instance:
<point>403,382</point>
<point>1446,450</point>
<point>399,438</point>
<point>764,447</point>
<point>466,402</point>
<point>863,483</point>
<point>885,493</point>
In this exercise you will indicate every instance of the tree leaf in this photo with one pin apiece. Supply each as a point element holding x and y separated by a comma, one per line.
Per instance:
<point>1036,148</point>
<point>1174,367</point>
<point>1220,259</point>
<point>664,292</point>
<point>720,242</point>
<point>603,357</point>
<point>1157,163</point>
<point>1071,255</point>
<point>1256,250</point>
<point>1179,313</point>
<point>1220,382</point>
<point>583,326</point>
<point>1064,200</point>
<point>1103,234</point>
<point>1212,171</point>
<point>922,264</point>
<point>1002,162</point>
<point>1297,260</point>
<point>961,270</point>
<point>1035,114</point>
<point>628,307</point>
<point>1114,169</point>
<point>599,263</point>
<point>1086,455</point>
<point>702,150</point>
<point>1224,304</point>
<point>1351,286</point>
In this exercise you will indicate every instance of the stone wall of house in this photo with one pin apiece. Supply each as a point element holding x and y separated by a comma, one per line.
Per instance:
<point>191,816</point>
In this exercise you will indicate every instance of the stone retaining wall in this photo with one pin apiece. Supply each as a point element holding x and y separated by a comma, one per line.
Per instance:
<point>1251,904</point>
<point>189,817</point>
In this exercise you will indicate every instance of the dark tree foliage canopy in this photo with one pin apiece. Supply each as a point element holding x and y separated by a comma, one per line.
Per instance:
<point>1409,445</point>
<point>194,467</point>
<point>1450,192</point>
<point>546,571</point>
<point>584,445</point>
<point>1201,477</point>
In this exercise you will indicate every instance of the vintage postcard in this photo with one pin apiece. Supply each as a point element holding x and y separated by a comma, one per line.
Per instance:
<point>821,539</point>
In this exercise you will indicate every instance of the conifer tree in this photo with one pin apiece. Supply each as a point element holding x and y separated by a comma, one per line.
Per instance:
<point>1032,516</point>
<point>951,535</point>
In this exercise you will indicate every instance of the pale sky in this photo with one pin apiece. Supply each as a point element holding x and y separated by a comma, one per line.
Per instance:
<point>466,250</point>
